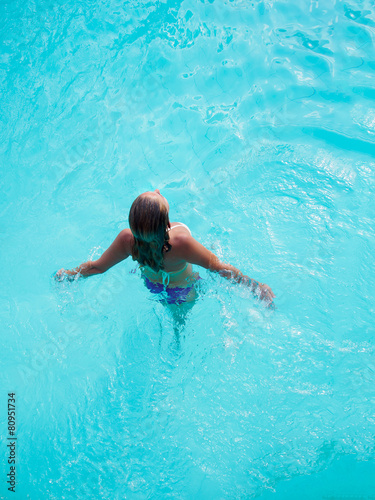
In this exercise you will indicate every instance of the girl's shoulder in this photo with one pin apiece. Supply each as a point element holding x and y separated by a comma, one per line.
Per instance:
<point>127,239</point>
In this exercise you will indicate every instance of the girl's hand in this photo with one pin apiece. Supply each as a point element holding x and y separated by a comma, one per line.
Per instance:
<point>265,292</point>
<point>61,274</point>
<point>86,269</point>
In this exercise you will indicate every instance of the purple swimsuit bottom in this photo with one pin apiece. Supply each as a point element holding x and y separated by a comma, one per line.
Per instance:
<point>173,295</point>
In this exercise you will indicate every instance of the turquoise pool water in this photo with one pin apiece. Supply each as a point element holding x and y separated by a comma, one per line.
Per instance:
<point>257,121</point>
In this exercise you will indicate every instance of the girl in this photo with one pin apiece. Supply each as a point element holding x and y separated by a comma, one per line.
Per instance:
<point>165,252</point>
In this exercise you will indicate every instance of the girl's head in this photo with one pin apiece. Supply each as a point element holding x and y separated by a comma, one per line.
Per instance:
<point>149,221</point>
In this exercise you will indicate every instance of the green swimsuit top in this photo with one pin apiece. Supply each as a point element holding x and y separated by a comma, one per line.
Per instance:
<point>166,275</point>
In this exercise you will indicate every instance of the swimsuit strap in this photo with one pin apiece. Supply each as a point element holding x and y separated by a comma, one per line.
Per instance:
<point>179,224</point>
<point>165,274</point>
<point>165,277</point>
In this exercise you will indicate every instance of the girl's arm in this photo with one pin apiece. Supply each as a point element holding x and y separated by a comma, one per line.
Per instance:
<point>195,253</point>
<point>118,251</point>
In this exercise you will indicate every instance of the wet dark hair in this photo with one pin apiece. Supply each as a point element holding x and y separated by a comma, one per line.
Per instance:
<point>149,221</point>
